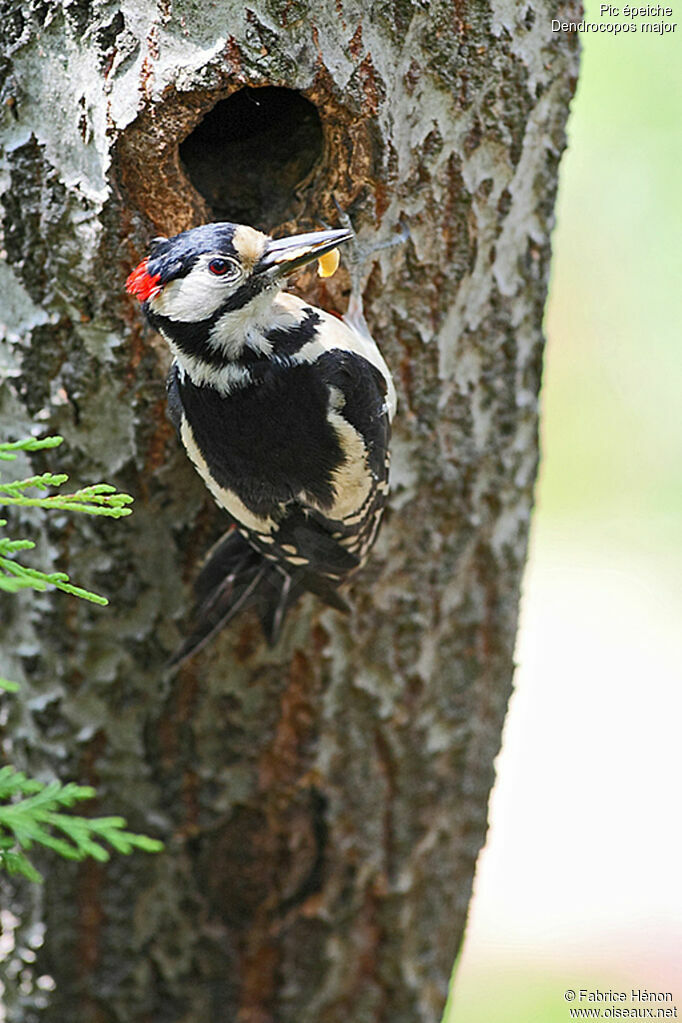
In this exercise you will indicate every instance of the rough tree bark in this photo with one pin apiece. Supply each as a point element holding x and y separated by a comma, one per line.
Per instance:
<point>324,803</point>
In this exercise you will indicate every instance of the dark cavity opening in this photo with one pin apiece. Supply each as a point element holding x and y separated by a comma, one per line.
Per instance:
<point>251,152</point>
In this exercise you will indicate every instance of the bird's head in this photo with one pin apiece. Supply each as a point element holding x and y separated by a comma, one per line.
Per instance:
<point>216,269</point>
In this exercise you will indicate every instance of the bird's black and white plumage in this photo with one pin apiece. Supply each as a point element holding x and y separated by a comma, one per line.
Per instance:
<point>284,410</point>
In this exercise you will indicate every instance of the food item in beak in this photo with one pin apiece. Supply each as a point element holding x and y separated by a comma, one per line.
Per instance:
<point>328,264</point>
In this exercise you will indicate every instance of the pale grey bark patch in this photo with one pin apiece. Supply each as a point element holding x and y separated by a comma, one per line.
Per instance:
<point>324,803</point>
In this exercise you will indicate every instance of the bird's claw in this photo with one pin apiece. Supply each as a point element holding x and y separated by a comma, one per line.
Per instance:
<point>357,255</point>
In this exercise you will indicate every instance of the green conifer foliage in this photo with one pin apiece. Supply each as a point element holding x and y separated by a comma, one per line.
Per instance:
<point>33,813</point>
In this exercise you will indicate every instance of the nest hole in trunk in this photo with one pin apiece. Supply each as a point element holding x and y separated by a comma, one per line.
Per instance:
<point>251,152</point>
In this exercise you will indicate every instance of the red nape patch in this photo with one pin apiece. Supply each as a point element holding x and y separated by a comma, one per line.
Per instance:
<point>143,284</point>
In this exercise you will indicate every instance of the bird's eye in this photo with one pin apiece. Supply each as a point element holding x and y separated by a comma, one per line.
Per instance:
<point>223,267</point>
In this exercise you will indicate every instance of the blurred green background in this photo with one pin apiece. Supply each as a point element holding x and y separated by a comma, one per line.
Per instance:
<point>579,885</point>
<point>611,403</point>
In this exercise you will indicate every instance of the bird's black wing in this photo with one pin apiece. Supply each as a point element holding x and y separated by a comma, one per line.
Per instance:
<point>364,390</point>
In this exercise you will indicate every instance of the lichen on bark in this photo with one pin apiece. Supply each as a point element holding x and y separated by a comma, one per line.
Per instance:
<point>324,803</point>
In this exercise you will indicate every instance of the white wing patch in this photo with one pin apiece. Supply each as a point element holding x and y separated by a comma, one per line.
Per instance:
<point>352,479</point>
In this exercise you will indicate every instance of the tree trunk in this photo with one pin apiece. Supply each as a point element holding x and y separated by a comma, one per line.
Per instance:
<point>322,803</point>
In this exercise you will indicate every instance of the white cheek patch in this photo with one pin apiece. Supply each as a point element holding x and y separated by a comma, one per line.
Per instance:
<point>195,297</point>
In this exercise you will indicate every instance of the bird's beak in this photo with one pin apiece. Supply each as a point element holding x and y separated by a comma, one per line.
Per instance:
<point>284,255</point>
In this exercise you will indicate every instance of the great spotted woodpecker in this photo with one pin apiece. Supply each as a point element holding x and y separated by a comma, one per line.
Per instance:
<point>284,410</point>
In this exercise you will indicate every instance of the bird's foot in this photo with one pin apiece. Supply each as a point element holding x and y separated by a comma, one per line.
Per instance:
<point>357,254</point>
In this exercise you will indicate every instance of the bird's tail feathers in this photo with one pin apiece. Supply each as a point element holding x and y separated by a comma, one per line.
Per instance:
<point>234,577</point>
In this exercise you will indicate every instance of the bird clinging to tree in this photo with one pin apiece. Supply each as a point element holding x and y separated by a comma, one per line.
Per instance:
<point>284,409</point>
